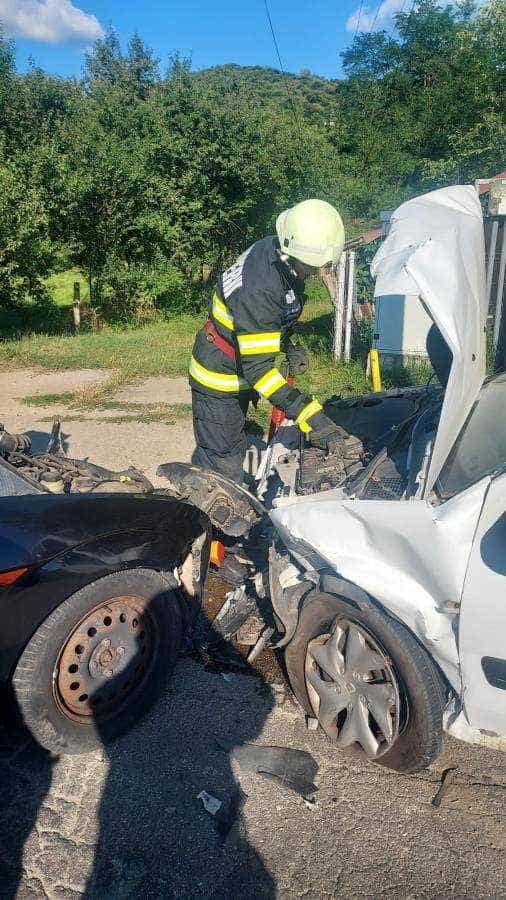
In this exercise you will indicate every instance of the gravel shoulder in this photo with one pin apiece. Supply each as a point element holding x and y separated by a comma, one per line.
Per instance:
<point>125,441</point>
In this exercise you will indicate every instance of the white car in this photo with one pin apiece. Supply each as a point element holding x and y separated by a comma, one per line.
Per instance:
<point>388,584</point>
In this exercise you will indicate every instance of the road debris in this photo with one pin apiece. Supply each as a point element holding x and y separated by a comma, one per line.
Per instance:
<point>294,769</point>
<point>229,813</point>
<point>261,644</point>
<point>224,812</point>
<point>211,804</point>
<point>443,787</point>
<point>250,631</point>
<point>238,607</point>
<point>280,693</point>
<point>216,648</point>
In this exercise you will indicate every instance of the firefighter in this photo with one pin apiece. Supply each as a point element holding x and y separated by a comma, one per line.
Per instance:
<point>254,308</point>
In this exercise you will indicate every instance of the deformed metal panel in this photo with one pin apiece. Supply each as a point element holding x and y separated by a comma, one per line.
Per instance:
<point>436,250</point>
<point>483,616</point>
<point>408,555</point>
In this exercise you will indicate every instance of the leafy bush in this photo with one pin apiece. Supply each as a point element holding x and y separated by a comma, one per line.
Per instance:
<point>363,259</point>
<point>129,292</point>
<point>361,339</point>
<point>28,317</point>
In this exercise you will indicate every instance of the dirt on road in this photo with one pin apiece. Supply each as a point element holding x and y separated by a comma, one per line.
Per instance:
<point>125,822</point>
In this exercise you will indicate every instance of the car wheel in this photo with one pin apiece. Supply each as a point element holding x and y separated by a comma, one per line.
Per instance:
<point>99,660</point>
<point>372,687</point>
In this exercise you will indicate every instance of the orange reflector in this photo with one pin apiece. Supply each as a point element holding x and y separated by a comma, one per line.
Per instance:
<point>217,555</point>
<point>8,578</point>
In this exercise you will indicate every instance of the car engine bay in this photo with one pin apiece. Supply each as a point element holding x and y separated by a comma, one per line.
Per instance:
<point>23,472</point>
<point>393,449</point>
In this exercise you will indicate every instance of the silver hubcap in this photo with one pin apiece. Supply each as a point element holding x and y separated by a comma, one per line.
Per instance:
<point>353,689</point>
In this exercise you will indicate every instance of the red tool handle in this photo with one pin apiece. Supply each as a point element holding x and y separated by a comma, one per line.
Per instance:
<point>277,415</point>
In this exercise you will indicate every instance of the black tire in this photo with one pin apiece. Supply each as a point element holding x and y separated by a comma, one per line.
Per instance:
<point>36,679</point>
<point>419,741</point>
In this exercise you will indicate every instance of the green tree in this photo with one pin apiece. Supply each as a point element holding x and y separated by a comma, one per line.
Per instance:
<point>151,184</point>
<point>26,249</point>
<point>425,109</point>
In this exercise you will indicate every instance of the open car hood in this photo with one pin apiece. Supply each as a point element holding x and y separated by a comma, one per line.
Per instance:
<point>435,249</point>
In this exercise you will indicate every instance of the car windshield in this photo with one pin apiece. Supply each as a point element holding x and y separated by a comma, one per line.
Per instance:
<point>481,446</point>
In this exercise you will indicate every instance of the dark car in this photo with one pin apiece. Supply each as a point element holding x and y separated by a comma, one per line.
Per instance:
<point>100,575</point>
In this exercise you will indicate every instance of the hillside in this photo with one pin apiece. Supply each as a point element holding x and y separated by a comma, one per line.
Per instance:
<point>311,95</point>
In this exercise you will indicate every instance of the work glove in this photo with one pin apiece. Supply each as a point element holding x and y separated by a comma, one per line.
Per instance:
<point>12,443</point>
<point>326,435</point>
<point>297,358</point>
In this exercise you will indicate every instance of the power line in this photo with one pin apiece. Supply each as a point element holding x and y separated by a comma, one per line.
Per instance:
<point>399,12</point>
<point>271,26</point>
<point>373,23</point>
<point>296,116</point>
<point>359,16</point>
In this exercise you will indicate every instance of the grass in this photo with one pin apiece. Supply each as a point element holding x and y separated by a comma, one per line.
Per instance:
<point>163,347</point>
<point>50,315</point>
<point>160,348</point>
<point>61,287</point>
<point>128,406</point>
<point>48,399</point>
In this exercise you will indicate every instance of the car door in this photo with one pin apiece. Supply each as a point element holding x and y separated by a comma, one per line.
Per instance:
<point>482,628</point>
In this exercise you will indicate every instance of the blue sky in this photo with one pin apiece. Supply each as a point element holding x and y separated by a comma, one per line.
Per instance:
<point>310,32</point>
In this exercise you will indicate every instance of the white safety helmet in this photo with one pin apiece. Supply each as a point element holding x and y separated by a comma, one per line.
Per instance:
<point>312,232</point>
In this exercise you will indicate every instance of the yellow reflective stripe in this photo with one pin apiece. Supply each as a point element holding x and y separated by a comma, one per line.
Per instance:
<point>309,410</point>
<point>215,380</point>
<point>270,382</point>
<point>260,342</point>
<point>221,313</point>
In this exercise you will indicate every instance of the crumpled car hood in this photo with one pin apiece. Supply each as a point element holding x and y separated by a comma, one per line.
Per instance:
<point>435,249</point>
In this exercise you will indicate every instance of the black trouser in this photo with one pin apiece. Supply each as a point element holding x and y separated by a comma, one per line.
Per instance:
<point>220,434</point>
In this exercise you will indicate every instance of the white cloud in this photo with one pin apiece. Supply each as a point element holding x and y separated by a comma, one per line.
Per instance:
<point>48,21</point>
<point>374,18</point>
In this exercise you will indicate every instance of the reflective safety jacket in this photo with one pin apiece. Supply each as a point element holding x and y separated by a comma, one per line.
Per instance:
<point>254,307</point>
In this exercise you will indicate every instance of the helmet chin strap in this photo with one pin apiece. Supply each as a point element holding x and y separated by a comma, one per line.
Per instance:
<point>287,261</point>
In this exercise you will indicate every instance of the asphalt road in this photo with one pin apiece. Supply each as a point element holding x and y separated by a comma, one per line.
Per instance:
<point>126,822</point>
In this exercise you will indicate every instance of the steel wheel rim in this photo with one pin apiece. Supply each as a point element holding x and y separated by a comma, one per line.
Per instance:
<point>105,659</point>
<point>353,689</point>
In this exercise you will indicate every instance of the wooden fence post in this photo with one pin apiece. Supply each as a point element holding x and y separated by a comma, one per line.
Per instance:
<point>334,281</point>
<point>339,309</point>
<point>491,258</point>
<point>76,306</point>
<point>500,290</point>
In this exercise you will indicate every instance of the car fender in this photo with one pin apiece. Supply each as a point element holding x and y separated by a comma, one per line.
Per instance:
<point>28,602</point>
<point>356,596</point>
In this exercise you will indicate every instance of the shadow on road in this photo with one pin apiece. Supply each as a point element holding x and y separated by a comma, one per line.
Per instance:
<point>154,837</point>
<point>25,780</point>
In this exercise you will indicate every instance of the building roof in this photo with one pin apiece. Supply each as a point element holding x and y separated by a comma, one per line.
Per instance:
<point>483,184</point>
